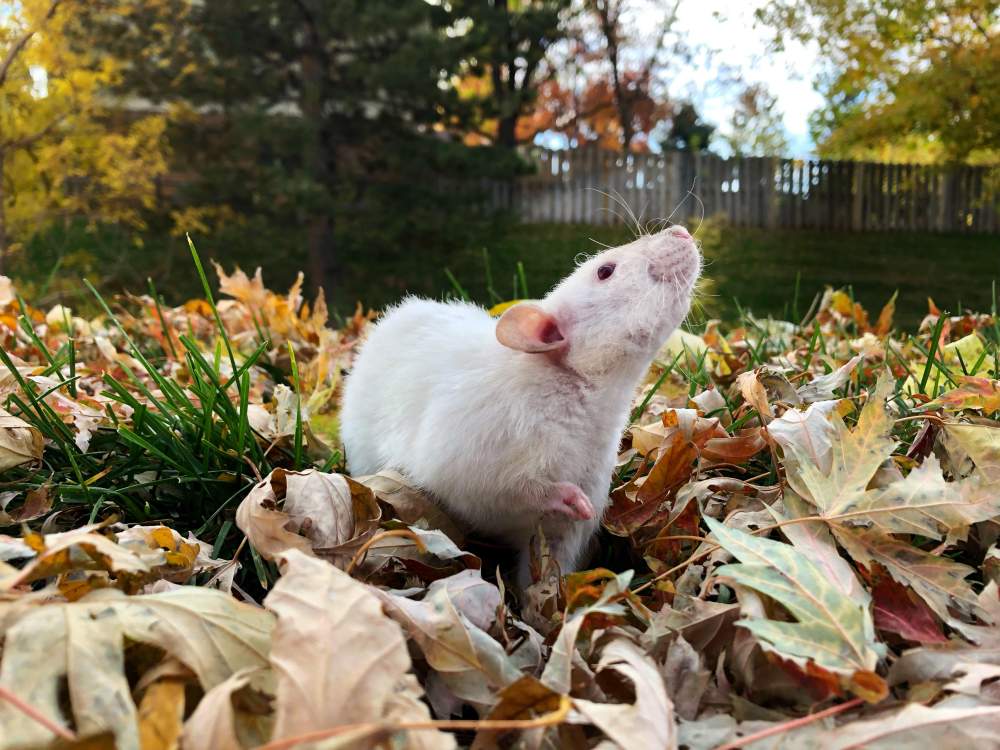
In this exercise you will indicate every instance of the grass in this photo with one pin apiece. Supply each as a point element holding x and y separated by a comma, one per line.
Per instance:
<point>186,454</point>
<point>178,447</point>
<point>767,272</point>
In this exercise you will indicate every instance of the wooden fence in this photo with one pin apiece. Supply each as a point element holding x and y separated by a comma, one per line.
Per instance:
<point>578,185</point>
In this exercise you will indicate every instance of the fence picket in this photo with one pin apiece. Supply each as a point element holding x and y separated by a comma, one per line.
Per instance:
<point>571,186</point>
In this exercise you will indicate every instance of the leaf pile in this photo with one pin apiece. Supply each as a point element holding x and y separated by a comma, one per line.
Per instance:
<point>801,549</point>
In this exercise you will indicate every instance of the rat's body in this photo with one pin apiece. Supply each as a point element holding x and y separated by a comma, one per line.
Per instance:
<point>508,435</point>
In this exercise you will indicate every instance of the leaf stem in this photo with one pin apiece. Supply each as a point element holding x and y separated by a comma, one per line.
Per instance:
<point>550,719</point>
<point>35,715</point>
<point>787,726</point>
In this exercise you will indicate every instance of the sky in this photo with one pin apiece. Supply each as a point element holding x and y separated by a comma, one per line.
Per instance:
<point>727,26</point>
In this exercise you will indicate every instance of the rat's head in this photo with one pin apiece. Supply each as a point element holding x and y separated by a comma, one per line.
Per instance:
<point>616,309</point>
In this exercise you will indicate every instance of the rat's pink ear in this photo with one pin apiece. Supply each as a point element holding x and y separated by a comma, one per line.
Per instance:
<point>526,327</point>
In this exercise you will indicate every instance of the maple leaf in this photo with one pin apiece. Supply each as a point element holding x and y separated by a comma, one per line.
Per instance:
<point>920,503</point>
<point>897,611</point>
<point>982,394</point>
<point>82,643</point>
<point>832,629</point>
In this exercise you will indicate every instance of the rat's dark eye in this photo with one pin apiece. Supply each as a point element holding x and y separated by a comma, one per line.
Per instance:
<point>605,271</point>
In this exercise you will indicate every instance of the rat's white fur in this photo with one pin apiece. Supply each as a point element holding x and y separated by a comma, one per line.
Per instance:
<point>488,430</point>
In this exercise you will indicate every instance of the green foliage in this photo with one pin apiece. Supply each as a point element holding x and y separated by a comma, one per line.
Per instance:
<point>333,121</point>
<point>906,79</point>
<point>688,132</point>
<point>505,43</point>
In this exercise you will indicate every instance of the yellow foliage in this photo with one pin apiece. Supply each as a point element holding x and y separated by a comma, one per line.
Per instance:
<point>68,148</point>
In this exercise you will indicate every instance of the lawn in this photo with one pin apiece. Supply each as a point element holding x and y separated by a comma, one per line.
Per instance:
<point>757,268</point>
<point>760,269</point>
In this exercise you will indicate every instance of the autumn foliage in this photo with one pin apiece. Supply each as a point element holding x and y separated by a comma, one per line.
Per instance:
<point>801,546</point>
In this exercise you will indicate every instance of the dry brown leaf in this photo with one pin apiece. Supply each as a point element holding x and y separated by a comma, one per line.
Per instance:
<point>920,727</point>
<point>60,553</point>
<point>331,513</point>
<point>821,388</point>
<point>216,724</point>
<point>409,503</point>
<point>685,678</point>
<point>20,443</point>
<point>809,431</point>
<point>938,580</point>
<point>649,721</point>
<point>470,662</point>
<point>754,393</point>
<point>331,625</point>
<point>161,715</point>
<point>36,503</point>
<point>82,644</point>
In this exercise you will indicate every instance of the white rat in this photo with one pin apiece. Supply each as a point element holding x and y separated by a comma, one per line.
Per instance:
<point>517,422</point>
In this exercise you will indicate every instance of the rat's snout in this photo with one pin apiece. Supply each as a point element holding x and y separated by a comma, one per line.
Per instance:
<point>674,257</point>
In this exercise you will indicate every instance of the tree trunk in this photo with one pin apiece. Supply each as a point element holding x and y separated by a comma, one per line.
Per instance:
<point>609,18</point>
<point>319,158</point>
<point>3,218</point>
<point>504,85</point>
<point>507,131</point>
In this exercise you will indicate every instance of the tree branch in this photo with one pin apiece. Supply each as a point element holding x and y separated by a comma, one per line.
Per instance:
<point>19,45</point>
<point>27,140</point>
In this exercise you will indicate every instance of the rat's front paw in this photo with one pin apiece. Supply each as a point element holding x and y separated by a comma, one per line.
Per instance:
<point>570,500</point>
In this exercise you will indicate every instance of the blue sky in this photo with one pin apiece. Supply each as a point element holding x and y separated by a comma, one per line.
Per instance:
<point>727,27</point>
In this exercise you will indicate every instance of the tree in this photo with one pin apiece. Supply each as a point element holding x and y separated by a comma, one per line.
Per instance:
<point>915,78</point>
<point>630,64</point>
<point>506,42</point>
<point>688,132</point>
<point>757,126</point>
<point>66,150</point>
<point>337,116</point>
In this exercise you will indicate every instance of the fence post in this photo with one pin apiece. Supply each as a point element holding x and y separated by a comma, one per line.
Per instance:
<point>857,191</point>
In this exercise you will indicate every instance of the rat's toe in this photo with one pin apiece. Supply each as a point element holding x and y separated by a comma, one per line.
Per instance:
<point>570,500</point>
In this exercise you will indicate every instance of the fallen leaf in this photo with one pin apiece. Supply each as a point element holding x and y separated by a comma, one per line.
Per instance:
<point>916,726</point>
<point>821,388</point>
<point>832,629</point>
<point>161,715</point>
<point>217,724</point>
<point>897,611</point>
<point>470,662</point>
<point>685,677</point>
<point>36,503</point>
<point>409,503</point>
<point>82,644</point>
<point>20,443</point>
<point>328,513</point>
<point>920,503</point>
<point>810,433</point>
<point>981,394</point>
<point>937,580</point>
<point>754,393</point>
<point>649,721</point>
<point>331,625</point>
<point>609,603</point>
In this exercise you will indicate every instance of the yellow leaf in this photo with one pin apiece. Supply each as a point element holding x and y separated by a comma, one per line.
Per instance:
<point>161,715</point>
<point>497,310</point>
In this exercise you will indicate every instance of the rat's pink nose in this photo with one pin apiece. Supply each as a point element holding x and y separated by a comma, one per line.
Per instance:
<point>679,231</point>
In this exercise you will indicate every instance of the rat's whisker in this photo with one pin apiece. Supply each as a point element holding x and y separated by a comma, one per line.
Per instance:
<point>620,200</point>
<point>687,195</point>
<point>702,219</point>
